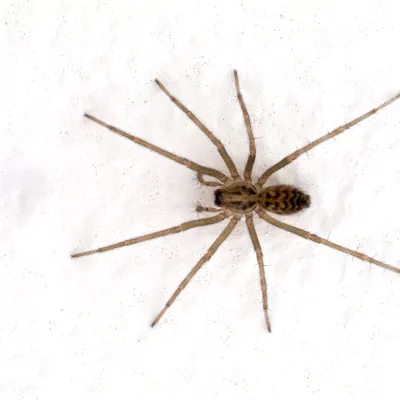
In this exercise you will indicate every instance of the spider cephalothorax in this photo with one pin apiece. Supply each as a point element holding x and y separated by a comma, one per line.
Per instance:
<point>239,197</point>
<point>243,198</point>
<point>236,197</point>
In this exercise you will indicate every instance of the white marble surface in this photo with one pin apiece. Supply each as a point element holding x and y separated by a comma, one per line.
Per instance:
<point>79,329</point>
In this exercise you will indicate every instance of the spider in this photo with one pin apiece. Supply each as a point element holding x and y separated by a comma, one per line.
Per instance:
<point>237,197</point>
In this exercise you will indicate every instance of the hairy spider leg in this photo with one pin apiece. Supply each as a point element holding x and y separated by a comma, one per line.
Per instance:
<point>259,254</point>
<point>247,122</point>
<point>221,148</point>
<point>165,232</point>
<point>291,157</point>
<point>309,236</point>
<point>210,252</point>
<point>180,160</point>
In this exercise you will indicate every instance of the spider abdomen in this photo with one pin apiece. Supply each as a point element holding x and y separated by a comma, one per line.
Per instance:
<point>283,199</point>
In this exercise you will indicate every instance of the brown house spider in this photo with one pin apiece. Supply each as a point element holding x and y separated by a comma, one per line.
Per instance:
<point>237,197</point>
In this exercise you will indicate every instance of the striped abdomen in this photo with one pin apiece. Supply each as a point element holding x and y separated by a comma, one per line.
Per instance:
<point>283,199</point>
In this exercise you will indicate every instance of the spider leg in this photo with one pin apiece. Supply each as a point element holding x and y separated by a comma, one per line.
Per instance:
<point>259,254</point>
<point>175,229</point>
<point>317,239</point>
<point>210,252</point>
<point>221,149</point>
<point>200,178</point>
<point>252,155</point>
<point>291,157</point>
<point>180,160</point>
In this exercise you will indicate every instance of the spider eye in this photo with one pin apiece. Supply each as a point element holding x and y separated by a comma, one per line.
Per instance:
<point>218,197</point>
